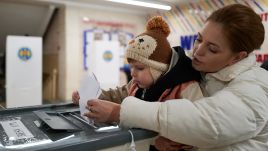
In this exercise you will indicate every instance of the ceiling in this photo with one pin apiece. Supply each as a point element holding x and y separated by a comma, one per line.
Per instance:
<point>23,18</point>
<point>32,17</point>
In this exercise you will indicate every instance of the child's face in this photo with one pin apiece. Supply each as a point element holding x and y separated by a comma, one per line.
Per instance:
<point>141,74</point>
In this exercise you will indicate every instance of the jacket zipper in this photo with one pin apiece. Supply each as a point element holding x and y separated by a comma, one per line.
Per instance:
<point>143,94</point>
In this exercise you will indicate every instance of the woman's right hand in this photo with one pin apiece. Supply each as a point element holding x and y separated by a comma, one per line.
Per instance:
<point>75,97</point>
<point>103,111</point>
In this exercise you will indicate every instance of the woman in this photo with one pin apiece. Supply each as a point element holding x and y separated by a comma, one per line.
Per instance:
<point>234,113</point>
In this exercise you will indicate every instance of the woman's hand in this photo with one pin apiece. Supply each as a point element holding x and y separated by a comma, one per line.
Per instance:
<point>164,144</point>
<point>75,97</point>
<point>103,111</point>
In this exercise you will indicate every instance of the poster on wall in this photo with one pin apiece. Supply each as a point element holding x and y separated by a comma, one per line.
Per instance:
<point>23,71</point>
<point>104,61</point>
<point>262,53</point>
<point>92,35</point>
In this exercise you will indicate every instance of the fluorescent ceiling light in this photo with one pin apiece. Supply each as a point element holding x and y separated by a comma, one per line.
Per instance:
<point>144,4</point>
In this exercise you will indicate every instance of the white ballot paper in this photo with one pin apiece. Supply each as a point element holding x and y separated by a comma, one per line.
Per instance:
<point>89,89</point>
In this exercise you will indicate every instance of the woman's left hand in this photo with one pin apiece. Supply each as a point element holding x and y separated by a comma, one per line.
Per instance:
<point>103,111</point>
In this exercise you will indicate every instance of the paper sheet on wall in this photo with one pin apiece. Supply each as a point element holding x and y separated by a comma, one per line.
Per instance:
<point>89,89</point>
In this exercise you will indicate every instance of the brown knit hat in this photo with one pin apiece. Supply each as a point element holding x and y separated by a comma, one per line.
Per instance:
<point>152,47</point>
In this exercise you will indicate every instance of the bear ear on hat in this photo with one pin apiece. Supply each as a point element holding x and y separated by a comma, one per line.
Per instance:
<point>157,23</point>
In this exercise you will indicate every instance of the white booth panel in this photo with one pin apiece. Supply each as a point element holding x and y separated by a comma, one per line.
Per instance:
<point>23,71</point>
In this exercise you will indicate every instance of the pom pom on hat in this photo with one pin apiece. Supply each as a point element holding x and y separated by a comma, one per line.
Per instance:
<point>157,23</point>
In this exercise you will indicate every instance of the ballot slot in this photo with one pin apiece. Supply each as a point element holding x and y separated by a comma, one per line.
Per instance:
<point>56,121</point>
<point>79,118</point>
<point>98,127</point>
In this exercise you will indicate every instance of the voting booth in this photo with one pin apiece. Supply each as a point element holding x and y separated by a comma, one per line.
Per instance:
<point>23,71</point>
<point>104,61</point>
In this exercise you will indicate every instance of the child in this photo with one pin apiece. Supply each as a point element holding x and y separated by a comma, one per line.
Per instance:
<point>155,67</point>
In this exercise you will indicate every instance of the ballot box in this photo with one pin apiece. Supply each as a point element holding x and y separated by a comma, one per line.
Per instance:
<point>60,127</point>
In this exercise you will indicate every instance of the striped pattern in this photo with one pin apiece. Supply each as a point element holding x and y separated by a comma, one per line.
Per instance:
<point>189,17</point>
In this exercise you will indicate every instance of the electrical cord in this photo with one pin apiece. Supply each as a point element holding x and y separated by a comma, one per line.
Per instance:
<point>2,108</point>
<point>132,146</point>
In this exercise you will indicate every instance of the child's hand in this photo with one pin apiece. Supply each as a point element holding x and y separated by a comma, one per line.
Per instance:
<point>103,111</point>
<point>75,97</point>
<point>164,144</point>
